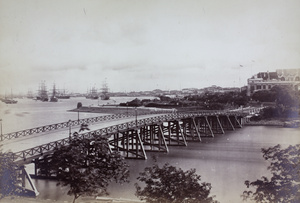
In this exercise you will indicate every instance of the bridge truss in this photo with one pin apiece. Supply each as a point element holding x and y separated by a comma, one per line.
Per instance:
<point>134,138</point>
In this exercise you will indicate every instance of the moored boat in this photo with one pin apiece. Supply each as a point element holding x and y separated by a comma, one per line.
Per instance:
<point>62,94</point>
<point>53,97</point>
<point>9,101</point>
<point>92,94</point>
<point>105,90</point>
<point>30,95</point>
<point>42,92</point>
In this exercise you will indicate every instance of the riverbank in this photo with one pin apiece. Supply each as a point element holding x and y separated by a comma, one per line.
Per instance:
<point>275,122</point>
<point>272,122</point>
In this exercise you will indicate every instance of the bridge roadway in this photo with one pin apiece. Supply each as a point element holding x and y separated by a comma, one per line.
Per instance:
<point>30,141</point>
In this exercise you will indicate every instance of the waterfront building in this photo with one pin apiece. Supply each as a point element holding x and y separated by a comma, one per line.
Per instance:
<point>267,80</point>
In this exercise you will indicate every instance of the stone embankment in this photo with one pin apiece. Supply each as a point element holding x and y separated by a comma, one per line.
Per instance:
<point>275,122</point>
<point>266,123</point>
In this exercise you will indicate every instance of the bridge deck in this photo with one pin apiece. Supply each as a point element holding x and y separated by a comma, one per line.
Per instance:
<point>26,142</point>
<point>34,145</point>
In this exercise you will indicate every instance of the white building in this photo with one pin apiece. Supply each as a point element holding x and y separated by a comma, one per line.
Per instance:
<point>267,80</point>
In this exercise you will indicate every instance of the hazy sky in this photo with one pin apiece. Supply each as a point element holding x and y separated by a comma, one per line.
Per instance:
<point>144,45</point>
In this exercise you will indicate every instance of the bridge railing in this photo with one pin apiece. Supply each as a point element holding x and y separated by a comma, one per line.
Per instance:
<point>56,126</point>
<point>46,148</point>
<point>66,124</point>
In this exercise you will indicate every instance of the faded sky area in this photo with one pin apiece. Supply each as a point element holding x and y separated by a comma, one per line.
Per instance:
<point>144,45</point>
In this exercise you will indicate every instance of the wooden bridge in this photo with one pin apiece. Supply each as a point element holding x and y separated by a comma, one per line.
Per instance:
<point>132,135</point>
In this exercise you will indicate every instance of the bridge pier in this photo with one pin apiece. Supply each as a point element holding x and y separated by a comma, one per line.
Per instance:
<point>204,126</point>
<point>237,122</point>
<point>226,123</point>
<point>190,130</point>
<point>129,143</point>
<point>216,126</point>
<point>25,178</point>
<point>153,138</point>
<point>41,167</point>
<point>173,133</point>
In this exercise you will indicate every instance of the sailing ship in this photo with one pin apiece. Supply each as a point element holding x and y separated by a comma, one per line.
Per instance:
<point>104,90</point>
<point>30,95</point>
<point>9,101</point>
<point>62,95</point>
<point>6,100</point>
<point>53,97</point>
<point>42,92</point>
<point>92,94</point>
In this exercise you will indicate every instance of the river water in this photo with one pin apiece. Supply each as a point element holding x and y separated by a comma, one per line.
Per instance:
<point>225,161</point>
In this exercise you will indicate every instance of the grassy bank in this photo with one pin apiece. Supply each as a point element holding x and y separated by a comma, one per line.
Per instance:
<point>118,110</point>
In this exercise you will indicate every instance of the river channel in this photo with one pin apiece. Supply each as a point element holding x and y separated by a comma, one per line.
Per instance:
<point>225,161</point>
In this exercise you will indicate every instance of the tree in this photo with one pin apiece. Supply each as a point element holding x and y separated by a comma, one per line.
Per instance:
<point>286,96</point>
<point>171,184</point>
<point>8,175</point>
<point>264,96</point>
<point>284,185</point>
<point>87,166</point>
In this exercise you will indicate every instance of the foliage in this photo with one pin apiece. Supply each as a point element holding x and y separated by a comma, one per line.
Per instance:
<point>284,185</point>
<point>264,96</point>
<point>171,184</point>
<point>8,175</point>
<point>218,100</point>
<point>87,166</point>
<point>135,103</point>
<point>279,112</point>
<point>285,96</point>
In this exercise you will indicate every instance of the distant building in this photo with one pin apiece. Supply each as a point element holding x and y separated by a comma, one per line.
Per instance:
<point>189,91</point>
<point>267,80</point>
<point>215,88</point>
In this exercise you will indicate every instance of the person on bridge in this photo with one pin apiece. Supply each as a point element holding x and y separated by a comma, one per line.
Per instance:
<point>83,127</point>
